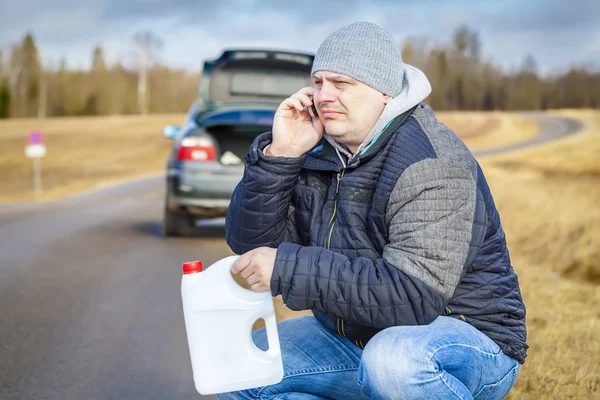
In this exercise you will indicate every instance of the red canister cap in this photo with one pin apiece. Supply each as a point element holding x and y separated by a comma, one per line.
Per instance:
<point>192,267</point>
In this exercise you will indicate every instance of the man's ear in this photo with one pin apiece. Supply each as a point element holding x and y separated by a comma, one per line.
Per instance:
<point>386,98</point>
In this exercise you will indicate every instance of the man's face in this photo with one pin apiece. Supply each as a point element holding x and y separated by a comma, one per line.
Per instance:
<point>347,107</point>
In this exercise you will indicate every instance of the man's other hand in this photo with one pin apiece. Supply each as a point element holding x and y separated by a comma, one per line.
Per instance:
<point>256,267</point>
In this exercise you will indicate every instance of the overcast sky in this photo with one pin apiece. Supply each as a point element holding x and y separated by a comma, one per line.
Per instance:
<point>558,33</point>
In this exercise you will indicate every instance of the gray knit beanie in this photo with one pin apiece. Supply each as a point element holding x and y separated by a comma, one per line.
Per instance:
<point>366,52</point>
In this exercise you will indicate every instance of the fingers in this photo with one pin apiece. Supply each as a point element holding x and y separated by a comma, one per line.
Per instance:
<point>246,272</point>
<point>260,287</point>
<point>246,264</point>
<point>254,278</point>
<point>307,91</point>
<point>305,96</point>
<point>256,267</point>
<point>259,282</point>
<point>318,125</point>
<point>255,275</point>
<point>303,99</point>
<point>300,99</point>
<point>293,103</point>
<point>241,263</point>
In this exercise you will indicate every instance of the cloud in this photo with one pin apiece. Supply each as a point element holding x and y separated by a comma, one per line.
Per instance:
<point>555,32</point>
<point>553,16</point>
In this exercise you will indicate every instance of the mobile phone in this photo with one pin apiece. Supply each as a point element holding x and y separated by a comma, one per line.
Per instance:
<point>312,110</point>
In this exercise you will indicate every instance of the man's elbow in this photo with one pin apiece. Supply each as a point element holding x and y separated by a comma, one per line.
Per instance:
<point>421,311</point>
<point>235,246</point>
<point>241,245</point>
<point>432,308</point>
<point>232,236</point>
<point>429,317</point>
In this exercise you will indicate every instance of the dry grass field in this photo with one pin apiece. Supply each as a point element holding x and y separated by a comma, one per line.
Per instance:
<point>549,202</point>
<point>548,198</point>
<point>91,152</point>
<point>82,153</point>
<point>484,130</point>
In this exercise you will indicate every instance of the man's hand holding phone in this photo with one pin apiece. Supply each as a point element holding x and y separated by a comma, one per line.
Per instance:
<point>295,131</point>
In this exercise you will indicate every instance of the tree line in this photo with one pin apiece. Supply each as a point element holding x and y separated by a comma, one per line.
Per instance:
<point>460,78</point>
<point>28,90</point>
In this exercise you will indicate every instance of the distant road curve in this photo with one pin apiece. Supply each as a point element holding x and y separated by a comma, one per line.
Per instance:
<point>551,127</point>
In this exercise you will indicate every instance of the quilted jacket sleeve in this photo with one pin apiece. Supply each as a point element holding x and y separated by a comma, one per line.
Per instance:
<point>432,236</point>
<point>259,212</point>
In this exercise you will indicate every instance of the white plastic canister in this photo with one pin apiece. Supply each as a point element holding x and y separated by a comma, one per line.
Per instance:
<point>219,315</point>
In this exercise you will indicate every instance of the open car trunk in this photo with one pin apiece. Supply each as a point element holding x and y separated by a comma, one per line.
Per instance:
<point>234,141</point>
<point>233,131</point>
<point>245,89</point>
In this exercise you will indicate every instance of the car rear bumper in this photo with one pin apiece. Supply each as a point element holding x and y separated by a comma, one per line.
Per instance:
<point>177,202</point>
<point>198,189</point>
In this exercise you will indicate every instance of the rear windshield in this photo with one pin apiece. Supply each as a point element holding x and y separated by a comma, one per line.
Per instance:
<point>258,80</point>
<point>265,84</point>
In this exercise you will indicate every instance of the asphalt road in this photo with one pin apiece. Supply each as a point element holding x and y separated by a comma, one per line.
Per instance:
<point>551,128</point>
<point>90,304</point>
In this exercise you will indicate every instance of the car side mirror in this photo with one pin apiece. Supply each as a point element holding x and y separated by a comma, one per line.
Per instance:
<point>171,131</point>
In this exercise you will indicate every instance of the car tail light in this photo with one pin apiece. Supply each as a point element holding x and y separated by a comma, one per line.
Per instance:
<point>196,148</point>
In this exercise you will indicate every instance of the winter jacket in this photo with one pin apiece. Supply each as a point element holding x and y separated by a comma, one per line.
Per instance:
<point>403,232</point>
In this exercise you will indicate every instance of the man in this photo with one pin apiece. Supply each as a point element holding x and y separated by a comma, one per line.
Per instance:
<point>377,218</point>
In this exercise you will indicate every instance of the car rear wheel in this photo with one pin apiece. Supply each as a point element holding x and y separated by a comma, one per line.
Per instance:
<point>177,224</point>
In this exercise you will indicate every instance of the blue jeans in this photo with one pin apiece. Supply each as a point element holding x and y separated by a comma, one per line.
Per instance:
<point>447,359</point>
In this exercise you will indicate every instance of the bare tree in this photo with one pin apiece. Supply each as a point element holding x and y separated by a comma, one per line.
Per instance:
<point>4,89</point>
<point>474,45</point>
<point>148,44</point>
<point>98,63</point>
<point>24,77</point>
<point>43,99</point>
<point>15,71</point>
<point>3,69</point>
<point>529,64</point>
<point>461,39</point>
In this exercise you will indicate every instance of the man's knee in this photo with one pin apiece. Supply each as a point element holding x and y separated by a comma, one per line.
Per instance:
<point>394,360</point>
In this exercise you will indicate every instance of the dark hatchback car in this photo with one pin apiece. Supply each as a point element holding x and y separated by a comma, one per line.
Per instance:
<point>238,95</point>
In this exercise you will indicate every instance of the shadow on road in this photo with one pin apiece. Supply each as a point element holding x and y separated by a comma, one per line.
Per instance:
<point>150,228</point>
<point>202,230</point>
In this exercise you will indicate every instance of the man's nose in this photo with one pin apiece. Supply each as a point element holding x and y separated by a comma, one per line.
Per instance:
<point>325,95</point>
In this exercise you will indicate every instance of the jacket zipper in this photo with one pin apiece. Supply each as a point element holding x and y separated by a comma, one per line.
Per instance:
<point>331,224</point>
<point>449,312</point>
<point>339,322</point>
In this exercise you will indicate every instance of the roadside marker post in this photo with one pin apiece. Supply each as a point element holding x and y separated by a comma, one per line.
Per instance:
<point>35,149</point>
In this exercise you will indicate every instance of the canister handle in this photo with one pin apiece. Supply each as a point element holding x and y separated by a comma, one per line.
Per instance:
<point>272,336</point>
